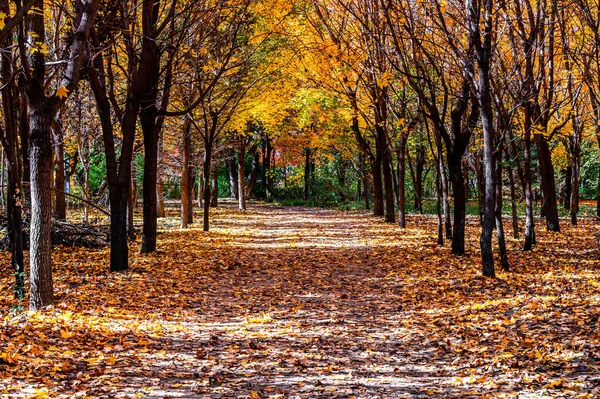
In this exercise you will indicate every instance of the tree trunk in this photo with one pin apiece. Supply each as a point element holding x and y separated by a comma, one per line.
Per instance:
<point>60,210</point>
<point>377,184</point>
<point>40,156</point>
<point>418,182</point>
<point>402,181</point>
<point>458,188</point>
<point>529,221</point>
<point>365,181</point>
<point>241,184</point>
<point>160,184</point>
<point>11,97</point>
<point>149,183</point>
<point>438,205</point>
<point>550,208</point>
<point>267,164</point>
<point>206,181</point>
<point>576,171</point>
<point>190,196</point>
<point>233,175</point>
<point>568,188</point>
<point>513,200</point>
<point>24,138</point>
<point>214,183</point>
<point>498,215</point>
<point>390,201</point>
<point>253,173</point>
<point>131,201</point>
<point>185,174</point>
<point>306,173</point>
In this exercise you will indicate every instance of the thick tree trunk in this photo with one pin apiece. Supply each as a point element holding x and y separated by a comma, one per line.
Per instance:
<point>550,208</point>
<point>40,156</point>
<point>119,251</point>
<point>149,183</point>
<point>458,188</point>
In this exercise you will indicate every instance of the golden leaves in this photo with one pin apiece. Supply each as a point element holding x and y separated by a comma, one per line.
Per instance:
<point>62,92</point>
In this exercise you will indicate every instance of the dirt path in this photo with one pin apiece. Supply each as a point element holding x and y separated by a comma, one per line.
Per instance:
<point>305,303</point>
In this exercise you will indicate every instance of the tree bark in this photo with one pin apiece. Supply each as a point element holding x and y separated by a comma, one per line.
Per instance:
<point>185,174</point>
<point>306,173</point>
<point>233,175</point>
<point>402,181</point>
<point>40,247</point>
<point>214,189</point>
<point>160,183</point>
<point>568,188</point>
<point>549,207</point>
<point>206,181</point>
<point>241,184</point>
<point>513,201</point>
<point>253,172</point>
<point>60,210</point>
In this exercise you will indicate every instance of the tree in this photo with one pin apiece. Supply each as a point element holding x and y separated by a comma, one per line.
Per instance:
<point>42,110</point>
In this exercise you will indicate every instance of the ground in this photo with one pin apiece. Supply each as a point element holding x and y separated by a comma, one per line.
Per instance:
<point>287,302</point>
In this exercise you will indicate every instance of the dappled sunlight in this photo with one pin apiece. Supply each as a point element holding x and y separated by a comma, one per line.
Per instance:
<point>304,303</point>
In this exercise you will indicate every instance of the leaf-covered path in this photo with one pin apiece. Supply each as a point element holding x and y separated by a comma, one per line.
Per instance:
<point>305,303</point>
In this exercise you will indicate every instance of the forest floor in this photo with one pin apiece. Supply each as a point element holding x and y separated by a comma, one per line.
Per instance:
<point>306,303</point>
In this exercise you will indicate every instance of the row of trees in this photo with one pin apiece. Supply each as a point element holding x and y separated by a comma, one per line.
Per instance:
<point>383,88</point>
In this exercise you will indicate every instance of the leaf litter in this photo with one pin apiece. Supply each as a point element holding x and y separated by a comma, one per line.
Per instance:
<point>300,303</point>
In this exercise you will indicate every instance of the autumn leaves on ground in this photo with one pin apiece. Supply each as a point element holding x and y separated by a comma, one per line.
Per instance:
<point>303,303</point>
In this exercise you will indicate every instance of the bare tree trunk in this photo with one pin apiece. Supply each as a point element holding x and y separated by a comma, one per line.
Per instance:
<point>185,174</point>
<point>513,201</point>
<point>402,181</point>
<point>267,165</point>
<point>214,178</point>
<point>529,221</point>
<point>547,183</point>
<point>40,156</point>
<point>131,200</point>
<point>160,183</point>
<point>241,185</point>
<point>233,175</point>
<point>567,188</point>
<point>206,175</point>
<point>306,173</point>
<point>498,215</point>
<point>253,173</point>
